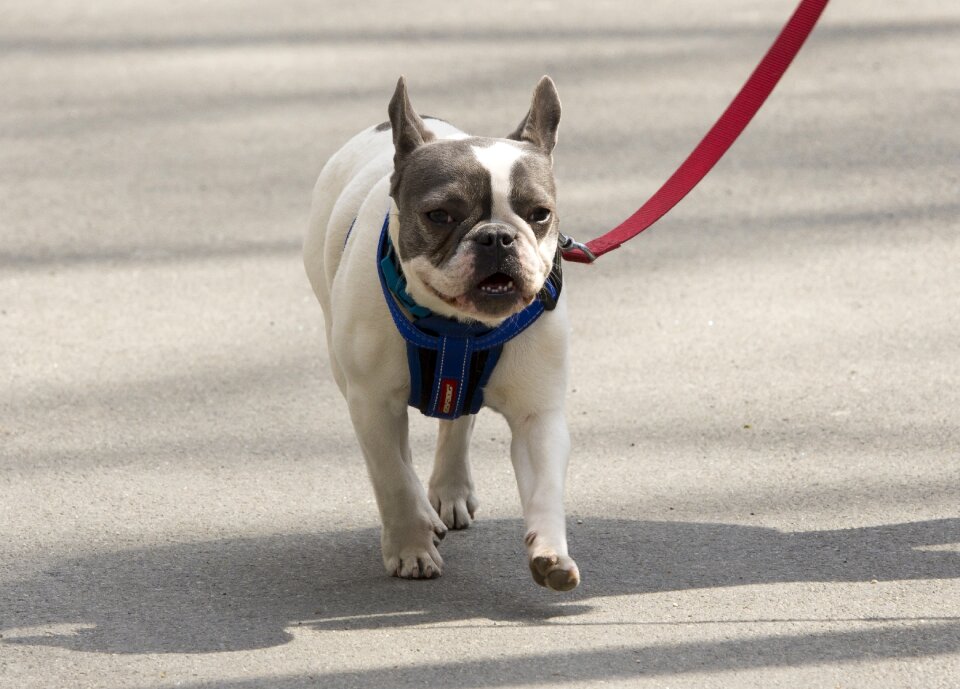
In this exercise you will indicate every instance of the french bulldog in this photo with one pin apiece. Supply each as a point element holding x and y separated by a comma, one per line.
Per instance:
<point>474,224</point>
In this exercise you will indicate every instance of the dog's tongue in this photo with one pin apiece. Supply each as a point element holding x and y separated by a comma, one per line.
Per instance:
<point>498,283</point>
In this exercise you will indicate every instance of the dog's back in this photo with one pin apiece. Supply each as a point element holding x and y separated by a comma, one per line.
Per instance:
<point>344,183</point>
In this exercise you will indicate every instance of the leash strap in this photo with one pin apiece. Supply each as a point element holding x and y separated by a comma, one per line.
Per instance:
<point>720,137</point>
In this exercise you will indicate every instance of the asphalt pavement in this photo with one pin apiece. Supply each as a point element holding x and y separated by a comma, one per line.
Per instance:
<point>765,399</point>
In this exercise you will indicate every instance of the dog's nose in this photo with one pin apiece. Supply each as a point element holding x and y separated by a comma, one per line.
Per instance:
<point>499,236</point>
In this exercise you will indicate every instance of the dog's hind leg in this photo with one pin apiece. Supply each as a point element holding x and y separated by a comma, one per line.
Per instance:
<point>451,485</point>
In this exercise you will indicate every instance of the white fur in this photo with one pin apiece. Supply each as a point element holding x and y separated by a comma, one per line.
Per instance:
<point>368,359</point>
<point>499,159</point>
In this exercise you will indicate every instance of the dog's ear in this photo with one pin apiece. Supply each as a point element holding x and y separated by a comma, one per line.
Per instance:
<point>539,127</point>
<point>409,132</point>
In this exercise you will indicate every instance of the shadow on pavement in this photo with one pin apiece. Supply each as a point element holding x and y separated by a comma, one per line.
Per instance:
<point>611,664</point>
<point>236,594</point>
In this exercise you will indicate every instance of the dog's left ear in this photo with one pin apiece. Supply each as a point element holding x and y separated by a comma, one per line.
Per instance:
<point>540,125</point>
<point>409,132</point>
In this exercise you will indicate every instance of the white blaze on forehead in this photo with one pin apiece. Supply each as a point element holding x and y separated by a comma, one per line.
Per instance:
<point>499,159</point>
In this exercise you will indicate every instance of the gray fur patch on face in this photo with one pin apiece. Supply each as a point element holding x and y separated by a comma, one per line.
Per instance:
<point>532,187</point>
<point>442,175</point>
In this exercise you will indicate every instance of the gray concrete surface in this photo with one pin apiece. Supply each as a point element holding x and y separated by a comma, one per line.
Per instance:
<point>764,407</point>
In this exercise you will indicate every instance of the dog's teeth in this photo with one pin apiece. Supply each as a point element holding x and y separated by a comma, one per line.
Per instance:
<point>498,289</point>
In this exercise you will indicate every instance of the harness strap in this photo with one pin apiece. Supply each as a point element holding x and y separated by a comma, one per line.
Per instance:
<point>406,328</point>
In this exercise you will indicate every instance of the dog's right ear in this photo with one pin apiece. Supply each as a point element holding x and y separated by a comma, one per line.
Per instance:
<point>409,132</point>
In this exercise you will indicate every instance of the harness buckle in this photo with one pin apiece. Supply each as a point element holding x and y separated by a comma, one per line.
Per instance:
<point>568,244</point>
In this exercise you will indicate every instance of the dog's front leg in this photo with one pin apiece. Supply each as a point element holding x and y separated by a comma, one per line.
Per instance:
<point>411,529</point>
<point>539,450</point>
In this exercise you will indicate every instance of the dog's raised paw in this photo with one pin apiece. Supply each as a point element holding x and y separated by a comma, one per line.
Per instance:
<point>552,571</point>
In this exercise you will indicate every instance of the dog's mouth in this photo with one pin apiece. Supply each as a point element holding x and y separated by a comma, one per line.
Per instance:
<point>496,296</point>
<point>499,295</point>
<point>497,285</point>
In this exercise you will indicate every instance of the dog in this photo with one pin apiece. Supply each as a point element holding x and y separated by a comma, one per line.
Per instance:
<point>467,228</point>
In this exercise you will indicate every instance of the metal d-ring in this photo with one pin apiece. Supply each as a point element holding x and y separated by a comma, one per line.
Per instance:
<point>570,244</point>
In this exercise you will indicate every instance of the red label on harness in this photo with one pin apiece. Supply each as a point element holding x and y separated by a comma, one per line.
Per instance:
<point>448,395</point>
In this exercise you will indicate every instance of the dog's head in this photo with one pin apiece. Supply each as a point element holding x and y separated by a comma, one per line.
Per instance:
<point>478,221</point>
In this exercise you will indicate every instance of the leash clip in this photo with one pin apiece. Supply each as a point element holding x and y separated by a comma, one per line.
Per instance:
<point>568,244</point>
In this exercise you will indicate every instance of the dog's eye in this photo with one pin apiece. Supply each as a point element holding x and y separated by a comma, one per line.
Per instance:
<point>440,217</point>
<point>539,215</point>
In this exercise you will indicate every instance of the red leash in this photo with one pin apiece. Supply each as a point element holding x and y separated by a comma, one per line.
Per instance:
<point>720,137</point>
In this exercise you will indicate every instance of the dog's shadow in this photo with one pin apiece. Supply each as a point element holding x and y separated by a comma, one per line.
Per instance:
<point>236,594</point>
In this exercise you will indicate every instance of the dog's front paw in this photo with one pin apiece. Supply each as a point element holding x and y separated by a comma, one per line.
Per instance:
<point>455,504</point>
<point>410,551</point>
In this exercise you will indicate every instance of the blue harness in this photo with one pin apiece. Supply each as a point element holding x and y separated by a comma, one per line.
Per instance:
<point>451,361</point>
